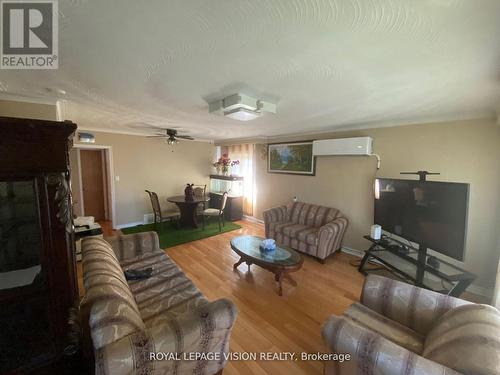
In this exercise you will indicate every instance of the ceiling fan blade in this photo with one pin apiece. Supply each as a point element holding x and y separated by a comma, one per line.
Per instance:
<point>185,137</point>
<point>156,136</point>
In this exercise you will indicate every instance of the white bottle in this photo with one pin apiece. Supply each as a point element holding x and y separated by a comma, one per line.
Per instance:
<point>376,232</point>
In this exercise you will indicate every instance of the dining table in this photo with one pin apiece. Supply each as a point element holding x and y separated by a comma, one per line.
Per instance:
<point>187,208</point>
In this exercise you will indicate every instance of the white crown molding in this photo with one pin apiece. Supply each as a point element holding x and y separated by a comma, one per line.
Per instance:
<point>126,132</point>
<point>466,116</point>
<point>28,99</point>
<point>229,141</point>
<point>481,115</point>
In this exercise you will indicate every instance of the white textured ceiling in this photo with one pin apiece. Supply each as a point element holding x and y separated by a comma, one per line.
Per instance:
<point>327,63</point>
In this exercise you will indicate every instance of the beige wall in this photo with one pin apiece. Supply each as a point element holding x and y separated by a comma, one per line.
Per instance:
<point>143,163</point>
<point>467,151</point>
<point>9,108</point>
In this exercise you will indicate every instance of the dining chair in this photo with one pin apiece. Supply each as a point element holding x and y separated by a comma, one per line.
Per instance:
<point>218,212</point>
<point>160,216</point>
<point>200,192</point>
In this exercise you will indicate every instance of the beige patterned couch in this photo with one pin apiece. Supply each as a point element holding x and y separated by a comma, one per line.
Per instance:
<point>130,322</point>
<point>311,229</point>
<point>400,329</point>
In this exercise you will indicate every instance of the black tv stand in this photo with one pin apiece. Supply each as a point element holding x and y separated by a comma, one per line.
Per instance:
<point>422,175</point>
<point>422,248</point>
<point>410,264</point>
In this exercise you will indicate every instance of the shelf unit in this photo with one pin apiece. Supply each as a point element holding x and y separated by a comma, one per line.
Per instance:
<point>406,263</point>
<point>234,186</point>
<point>36,232</point>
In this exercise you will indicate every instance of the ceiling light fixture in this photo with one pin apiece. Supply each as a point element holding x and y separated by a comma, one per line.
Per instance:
<point>241,107</point>
<point>171,141</point>
<point>242,114</point>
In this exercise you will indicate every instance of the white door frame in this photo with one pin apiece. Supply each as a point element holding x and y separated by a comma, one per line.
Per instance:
<point>108,156</point>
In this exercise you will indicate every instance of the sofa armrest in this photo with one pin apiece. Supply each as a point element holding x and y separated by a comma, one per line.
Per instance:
<point>273,215</point>
<point>370,353</point>
<point>414,307</point>
<point>330,236</point>
<point>128,246</point>
<point>172,348</point>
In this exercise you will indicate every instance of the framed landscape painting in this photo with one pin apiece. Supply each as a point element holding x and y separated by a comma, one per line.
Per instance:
<point>293,158</point>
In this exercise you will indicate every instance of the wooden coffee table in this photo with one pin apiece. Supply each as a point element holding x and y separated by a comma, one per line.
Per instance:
<point>280,262</point>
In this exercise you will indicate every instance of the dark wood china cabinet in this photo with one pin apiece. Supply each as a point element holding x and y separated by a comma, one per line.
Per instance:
<point>37,263</point>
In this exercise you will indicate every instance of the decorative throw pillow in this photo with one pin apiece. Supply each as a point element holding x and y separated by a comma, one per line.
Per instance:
<point>467,339</point>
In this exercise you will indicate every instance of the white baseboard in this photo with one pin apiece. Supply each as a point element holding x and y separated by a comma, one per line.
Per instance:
<point>148,219</point>
<point>351,251</point>
<point>127,225</point>
<point>481,290</point>
<point>473,288</point>
<point>253,218</point>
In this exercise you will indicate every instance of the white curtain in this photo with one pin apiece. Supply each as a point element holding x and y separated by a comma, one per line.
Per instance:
<point>244,153</point>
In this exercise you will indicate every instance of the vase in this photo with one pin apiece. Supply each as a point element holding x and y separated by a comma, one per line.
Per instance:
<point>226,170</point>
<point>189,192</point>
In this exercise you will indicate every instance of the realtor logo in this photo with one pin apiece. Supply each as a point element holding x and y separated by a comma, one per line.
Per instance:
<point>29,34</point>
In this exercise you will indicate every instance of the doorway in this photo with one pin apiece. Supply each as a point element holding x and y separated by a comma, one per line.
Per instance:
<point>92,183</point>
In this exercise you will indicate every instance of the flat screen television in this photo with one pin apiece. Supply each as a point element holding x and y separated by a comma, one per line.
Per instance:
<point>427,212</point>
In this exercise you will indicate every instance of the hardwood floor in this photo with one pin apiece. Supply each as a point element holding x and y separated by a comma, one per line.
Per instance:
<point>267,322</point>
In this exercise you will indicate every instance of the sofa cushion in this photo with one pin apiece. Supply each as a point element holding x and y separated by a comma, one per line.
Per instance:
<point>293,229</point>
<point>387,328</point>
<point>98,258</point>
<point>308,235</point>
<point>113,311</point>
<point>309,214</point>
<point>414,307</point>
<point>295,244</point>
<point>467,339</point>
<point>129,246</point>
<point>167,293</point>
<point>280,225</point>
<point>303,233</point>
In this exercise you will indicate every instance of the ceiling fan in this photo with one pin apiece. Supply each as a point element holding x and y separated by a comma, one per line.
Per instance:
<point>171,136</point>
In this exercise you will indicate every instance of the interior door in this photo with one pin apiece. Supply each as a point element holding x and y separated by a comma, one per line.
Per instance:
<point>93,183</point>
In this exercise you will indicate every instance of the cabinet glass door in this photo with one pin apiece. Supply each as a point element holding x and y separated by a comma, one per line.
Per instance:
<point>25,331</point>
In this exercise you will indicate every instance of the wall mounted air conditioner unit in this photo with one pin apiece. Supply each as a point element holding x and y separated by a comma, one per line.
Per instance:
<point>343,146</point>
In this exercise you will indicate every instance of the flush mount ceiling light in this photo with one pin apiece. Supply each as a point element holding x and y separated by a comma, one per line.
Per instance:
<point>241,107</point>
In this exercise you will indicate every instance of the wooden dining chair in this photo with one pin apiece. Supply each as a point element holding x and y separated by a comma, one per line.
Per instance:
<point>200,192</point>
<point>218,212</point>
<point>160,216</point>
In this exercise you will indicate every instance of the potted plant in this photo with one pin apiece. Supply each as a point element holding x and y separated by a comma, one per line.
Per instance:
<point>224,164</point>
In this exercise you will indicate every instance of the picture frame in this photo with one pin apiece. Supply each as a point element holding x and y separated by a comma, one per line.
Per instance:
<point>291,158</point>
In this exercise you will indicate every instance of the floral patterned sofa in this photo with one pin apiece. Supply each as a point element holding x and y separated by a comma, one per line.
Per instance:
<point>400,329</point>
<point>131,321</point>
<point>311,229</point>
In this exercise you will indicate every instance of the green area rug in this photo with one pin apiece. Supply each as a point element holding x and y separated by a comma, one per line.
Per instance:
<point>171,236</point>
